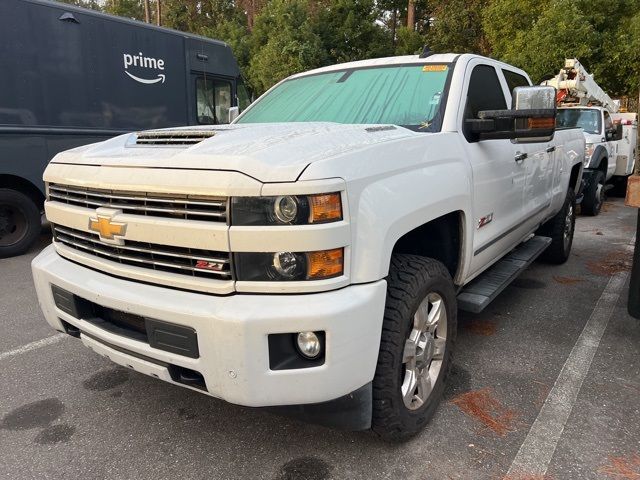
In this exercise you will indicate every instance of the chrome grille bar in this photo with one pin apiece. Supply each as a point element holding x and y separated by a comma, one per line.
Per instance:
<point>147,255</point>
<point>174,206</point>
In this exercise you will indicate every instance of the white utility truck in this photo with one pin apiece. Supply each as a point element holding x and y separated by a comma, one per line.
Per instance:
<point>611,137</point>
<point>312,256</point>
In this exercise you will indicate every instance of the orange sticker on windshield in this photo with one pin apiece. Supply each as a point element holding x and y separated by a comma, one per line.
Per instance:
<point>434,68</point>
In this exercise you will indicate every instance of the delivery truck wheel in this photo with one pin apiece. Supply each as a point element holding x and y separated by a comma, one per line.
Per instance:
<point>594,195</point>
<point>19,222</point>
<point>418,335</point>
<point>560,228</point>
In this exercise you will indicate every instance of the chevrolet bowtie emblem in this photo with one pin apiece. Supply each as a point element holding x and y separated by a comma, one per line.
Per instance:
<point>107,229</point>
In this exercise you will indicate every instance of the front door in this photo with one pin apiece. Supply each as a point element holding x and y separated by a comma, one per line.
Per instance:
<point>498,180</point>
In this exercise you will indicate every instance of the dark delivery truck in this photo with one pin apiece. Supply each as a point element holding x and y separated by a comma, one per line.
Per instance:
<point>71,76</point>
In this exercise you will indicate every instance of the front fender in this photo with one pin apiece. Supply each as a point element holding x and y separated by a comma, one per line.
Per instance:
<point>393,206</point>
<point>599,154</point>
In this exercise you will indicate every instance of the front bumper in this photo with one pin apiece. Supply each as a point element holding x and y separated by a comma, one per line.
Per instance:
<point>232,333</point>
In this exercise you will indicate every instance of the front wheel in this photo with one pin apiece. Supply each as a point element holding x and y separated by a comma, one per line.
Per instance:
<point>594,195</point>
<point>19,222</point>
<point>418,335</point>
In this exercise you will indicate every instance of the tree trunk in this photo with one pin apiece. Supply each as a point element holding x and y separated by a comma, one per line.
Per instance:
<point>158,13</point>
<point>394,21</point>
<point>147,11</point>
<point>411,15</point>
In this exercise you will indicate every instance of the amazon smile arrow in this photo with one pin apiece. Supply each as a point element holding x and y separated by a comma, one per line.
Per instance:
<point>160,78</point>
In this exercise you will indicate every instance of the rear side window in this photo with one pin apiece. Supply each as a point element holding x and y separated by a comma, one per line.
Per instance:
<point>515,80</point>
<point>485,93</point>
<point>213,100</point>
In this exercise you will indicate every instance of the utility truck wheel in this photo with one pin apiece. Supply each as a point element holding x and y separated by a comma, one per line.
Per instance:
<point>560,228</point>
<point>418,335</point>
<point>594,195</point>
<point>19,222</point>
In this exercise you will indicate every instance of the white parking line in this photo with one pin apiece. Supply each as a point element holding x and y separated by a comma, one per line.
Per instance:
<point>536,451</point>
<point>33,346</point>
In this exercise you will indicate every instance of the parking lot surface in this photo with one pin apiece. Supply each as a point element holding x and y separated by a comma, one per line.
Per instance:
<point>545,385</point>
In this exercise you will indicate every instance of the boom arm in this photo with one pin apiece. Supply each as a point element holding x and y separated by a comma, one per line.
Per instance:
<point>576,85</point>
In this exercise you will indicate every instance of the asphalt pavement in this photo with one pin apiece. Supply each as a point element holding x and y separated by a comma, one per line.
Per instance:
<point>545,385</point>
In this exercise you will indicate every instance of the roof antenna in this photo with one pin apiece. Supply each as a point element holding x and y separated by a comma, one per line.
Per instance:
<point>426,52</point>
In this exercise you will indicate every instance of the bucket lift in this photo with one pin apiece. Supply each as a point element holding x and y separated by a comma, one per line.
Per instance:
<point>577,87</point>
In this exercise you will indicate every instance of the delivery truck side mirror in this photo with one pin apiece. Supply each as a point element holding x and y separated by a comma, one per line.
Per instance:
<point>233,113</point>
<point>532,117</point>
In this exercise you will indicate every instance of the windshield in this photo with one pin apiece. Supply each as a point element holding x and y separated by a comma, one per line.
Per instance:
<point>587,119</point>
<point>406,95</point>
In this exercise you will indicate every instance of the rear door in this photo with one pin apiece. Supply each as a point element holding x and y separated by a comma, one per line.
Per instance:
<point>537,161</point>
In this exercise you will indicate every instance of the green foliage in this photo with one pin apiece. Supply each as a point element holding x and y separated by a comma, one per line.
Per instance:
<point>408,41</point>
<point>348,31</point>
<point>457,27</point>
<point>125,8</point>
<point>275,38</point>
<point>283,43</point>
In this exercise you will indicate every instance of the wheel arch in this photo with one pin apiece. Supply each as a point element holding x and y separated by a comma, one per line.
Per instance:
<point>442,239</point>
<point>599,159</point>
<point>22,185</point>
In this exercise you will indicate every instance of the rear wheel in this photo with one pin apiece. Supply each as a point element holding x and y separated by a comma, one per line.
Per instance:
<point>19,222</point>
<point>416,348</point>
<point>594,195</point>
<point>560,228</point>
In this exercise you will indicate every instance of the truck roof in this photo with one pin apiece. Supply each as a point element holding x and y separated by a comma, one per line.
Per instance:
<point>403,60</point>
<point>130,21</point>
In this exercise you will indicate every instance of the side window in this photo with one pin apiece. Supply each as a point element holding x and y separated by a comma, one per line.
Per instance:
<point>213,100</point>
<point>515,80</point>
<point>608,122</point>
<point>484,93</point>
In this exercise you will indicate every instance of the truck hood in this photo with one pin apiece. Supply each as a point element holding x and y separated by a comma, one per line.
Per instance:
<point>269,152</point>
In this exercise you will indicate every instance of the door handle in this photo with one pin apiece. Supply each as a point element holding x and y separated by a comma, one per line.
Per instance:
<point>551,149</point>
<point>520,157</point>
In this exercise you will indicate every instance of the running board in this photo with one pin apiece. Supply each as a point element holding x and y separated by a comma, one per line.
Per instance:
<point>479,293</point>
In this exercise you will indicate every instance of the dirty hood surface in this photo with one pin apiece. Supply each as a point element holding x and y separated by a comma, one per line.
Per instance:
<point>270,152</point>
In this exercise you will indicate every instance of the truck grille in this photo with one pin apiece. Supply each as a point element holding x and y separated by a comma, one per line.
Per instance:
<point>186,261</point>
<point>152,205</point>
<point>173,137</point>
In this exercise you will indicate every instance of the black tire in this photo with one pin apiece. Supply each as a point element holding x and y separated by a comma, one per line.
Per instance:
<point>594,195</point>
<point>412,281</point>
<point>20,222</point>
<point>618,187</point>
<point>561,229</point>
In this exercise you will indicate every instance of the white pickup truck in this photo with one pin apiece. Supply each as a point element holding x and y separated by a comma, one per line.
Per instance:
<point>312,256</point>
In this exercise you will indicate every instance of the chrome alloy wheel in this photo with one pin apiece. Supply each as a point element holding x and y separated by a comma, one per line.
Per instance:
<point>424,351</point>
<point>568,226</point>
<point>599,195</point>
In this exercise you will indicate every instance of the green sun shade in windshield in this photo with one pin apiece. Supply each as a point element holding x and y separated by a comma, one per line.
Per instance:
<point>400,95</point>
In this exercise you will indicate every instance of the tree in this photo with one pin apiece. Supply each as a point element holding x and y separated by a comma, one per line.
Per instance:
<point>283,43</point>
<point>457,27</point>
<point>348,31</point>
<point>125,8</point>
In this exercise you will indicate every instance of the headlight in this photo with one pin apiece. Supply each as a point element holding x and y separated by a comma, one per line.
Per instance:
<point>289,266</point>
<point>286,209</point>
<point>588,151</point>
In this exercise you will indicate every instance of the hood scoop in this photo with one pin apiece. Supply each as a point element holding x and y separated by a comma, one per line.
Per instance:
<point>173,137</point>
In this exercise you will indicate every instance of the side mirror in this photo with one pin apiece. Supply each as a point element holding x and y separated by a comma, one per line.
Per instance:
<point>532,117</point>
<point>233,113</point>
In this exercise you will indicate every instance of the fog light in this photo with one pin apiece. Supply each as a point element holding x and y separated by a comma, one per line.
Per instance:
<point>308,344</point>
<point>287,264</point>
